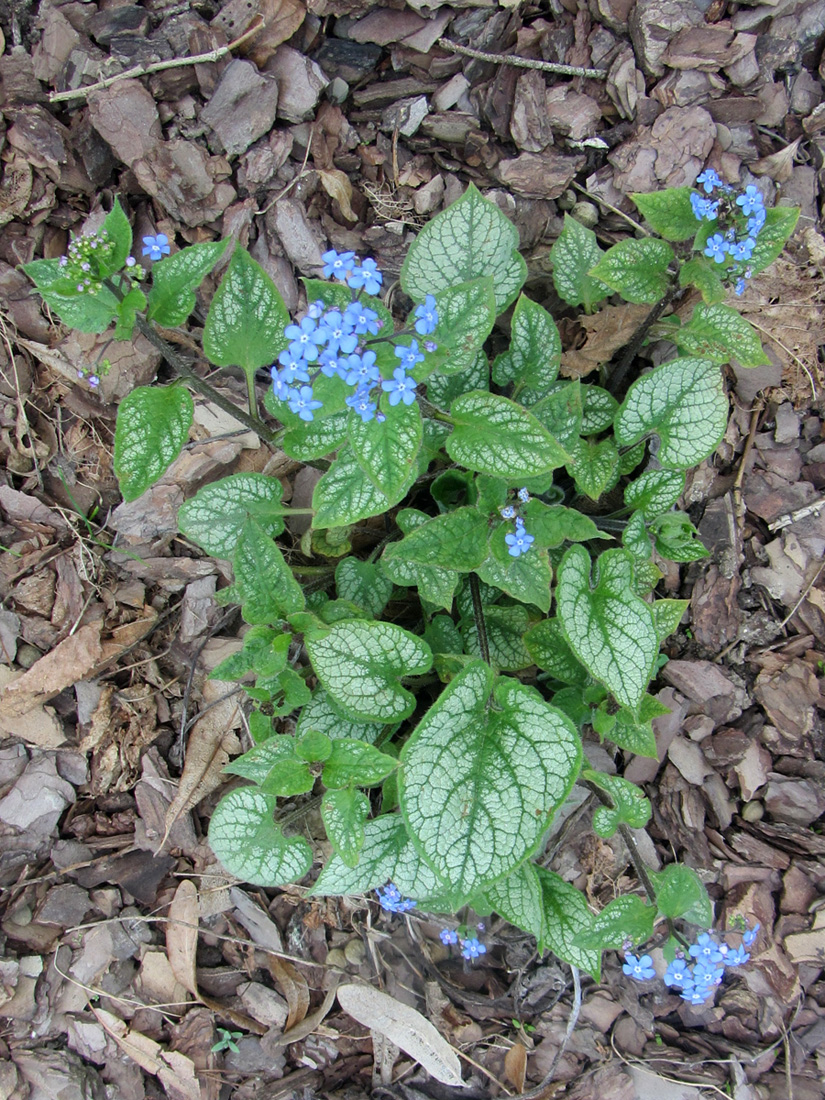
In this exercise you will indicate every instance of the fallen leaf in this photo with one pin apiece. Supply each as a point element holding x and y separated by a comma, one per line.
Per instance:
<point>405,1027</point>
<point>515,1065</point>
<point>337,185</point>
<point>174,1070</point>
<point>182,935</point>
<point>71,660</point>
<point>606,332</point>
<point>779,166</point>
<point>294,987</point>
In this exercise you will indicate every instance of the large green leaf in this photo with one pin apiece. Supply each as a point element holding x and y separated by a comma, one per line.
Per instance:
<point>469,239</point>
<point>355,763</point>
<point>506,627</point>
<point>701,273</point>
<point>669,212</point>
<point>321,714</point>
<point>780,222</point>
<point>684,403</point>
<point>85,312</point>
<point>387,449</point>
<point>443,389</point>
<point>719,333</point>
<point>654,491</point>
<point>561,412</point>
<point>176,278</point>
<point>246,319</point>
<point>551,651</point>
<point>566,917</point>
<point>574,253</point>
<point>628,917</point>
<point>532,361</point>
<point>638,270</point>
<point>595,466</point>
<point>346,494</point>
<point>526,578</point>
<point>344,814</point>
<point>434,584</point>
<point>215,515</point>
<point>363,584</point>
<point>361,664</point>
<point>518,898</point>
<point>681,893</point>
<point>610,629</point>
<point>466,315</point>
<point>153,424</point>
<point>496,436</point>
<point>479,782</point>
<point>251,846</point>
<point>266,586</point>
<point>553,524</point>
<point>456,540</point>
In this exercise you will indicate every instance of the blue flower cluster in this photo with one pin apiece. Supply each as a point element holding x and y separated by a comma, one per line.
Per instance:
<point>697,976</point>
<point>390,899</point>
<point>471,946</point>
<point>335,343</point>
<point>81,263</point>
<point>518,541</point>
<point>742,217</point>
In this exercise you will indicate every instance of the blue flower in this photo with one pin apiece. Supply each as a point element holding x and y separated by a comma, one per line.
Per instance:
<point>738,957</point>
<point>362,318</point>
<point>302,403</point>
<point>678,974</point>
<point>294,368</point>
<point>756,222</point>
<point>331,365</point>
<point>709,179</point>
<point>639,969</point>
<point>706,949</point>
<point>508,511</point>
<point>717,248</point>
<point>696,995</point>
<point>362,403</point>
<point>361,369</point>
<point>707,974</point>
<point>401,389</point>
<point>448,936</point>
<point>409,356</point>
<point>703,208</point>
<point>430,346</point>
<point>366,275</point>
<point>427,315</point>
<point>305,339</point>
<point>520,542</point>
<point>742,250</point>
<point>750,936</point>
<point>337,264</point>
<point>337,331</point>
<point>156,247</point>
<point>750,200</point>
<point>471,949</point>
<point>523,496</point>
<point>740,286</point>
<point>391,900</point>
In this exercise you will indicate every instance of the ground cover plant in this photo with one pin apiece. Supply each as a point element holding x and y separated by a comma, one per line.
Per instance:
<point>429,688</point>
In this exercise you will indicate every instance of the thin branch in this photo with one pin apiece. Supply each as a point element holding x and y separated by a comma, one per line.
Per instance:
<point>158,66</point>
<point>618,375</point>
<point>522,62</point>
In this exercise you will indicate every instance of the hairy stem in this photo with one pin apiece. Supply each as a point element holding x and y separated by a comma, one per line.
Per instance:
<point>616,381</point>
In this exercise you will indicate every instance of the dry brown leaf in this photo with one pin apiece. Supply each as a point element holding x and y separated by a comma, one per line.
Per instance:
<point>337,185</point>
<point>309,1023</point>
<point>182,934</point>
<point>606,332</point>
<point>71,660</point>
<point>515,1066</point>
<point>212,742</point>
<point>174,1070</point>
<point>405,1027</point>
<point>779,166</point>
<point>294,987</point>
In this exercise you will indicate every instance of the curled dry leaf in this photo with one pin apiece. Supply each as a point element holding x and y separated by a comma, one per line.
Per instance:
<point>294,987</point>
<point>337,185</point>
<point>405,1027</point>
<point>174,1070</point>
<point>779,166</point>
<point>71,660</point>
<point>606,332</point>
<point>515,1065</point>
<point>182,935</point>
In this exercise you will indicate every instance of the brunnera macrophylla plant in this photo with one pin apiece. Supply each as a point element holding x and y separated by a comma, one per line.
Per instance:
<point>428,692</point>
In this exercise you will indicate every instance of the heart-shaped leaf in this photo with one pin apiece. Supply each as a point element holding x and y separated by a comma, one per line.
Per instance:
<point>249,844</point>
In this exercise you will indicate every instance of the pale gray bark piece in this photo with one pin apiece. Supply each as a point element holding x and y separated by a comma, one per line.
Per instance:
<point>242,108</point>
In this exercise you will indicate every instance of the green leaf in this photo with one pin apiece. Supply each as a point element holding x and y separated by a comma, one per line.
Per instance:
<point>133,301</point>
<point>667,614</point>
<point>443,636</point>
<point>360,664</point>
<point>345,494</point>
<point>780,222</point>
<point>443,389</point>
<point>466,315</point>
<point>387,450</point>
<point>265,583</point>
<point>85,312</point>
<point>534,355</point>
<point>684,403</point>
<point>599,410</point>
<point>636,539</point>
<point>630,807</point>
<point>435,585</point>
<point>681,893</point>
<point>469,239</point>
<point>246,319</point>
<point>553,524</point>
<point>479,783</point>
<point>700,272</point>
<point>256,764</point>
<point>676,538</point>
<point>251,846</point>
<point>313,746</point>
<point>176,278</point>
<point>595,466</point>
<point>496,436</point>
<point>638,270</point>
<point>321,714</point>
<point>153,424</point>
<point>355,763</point>
<point>633,731</point>
<point>654,491</point>
<point>456,541</point>
<point>610,630</point>
<point>264,652</point>
<point>288,777</point>
<point>566,917</point>
<point>215,515</point>
<point>720,334</point>
<point>550,650</point>
<point>526,578</point>
<point>344,814</point>
<point>518,898</point>
<point>561,413</point>
<point>574,253</point>
<point>308,440</point>
<point>505,637</point>
<point>116,226</point>
<point>625,918</point>
<point>669,212</point>
<point>363,583</point>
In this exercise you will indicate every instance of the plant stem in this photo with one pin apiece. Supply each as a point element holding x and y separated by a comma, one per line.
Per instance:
<point>478,615</point>
<point>252,395</point>
<point>615,383</point>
